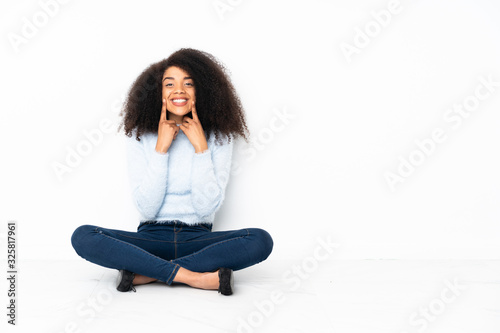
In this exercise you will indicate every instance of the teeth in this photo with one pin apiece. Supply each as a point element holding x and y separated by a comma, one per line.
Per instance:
<point>180,100</point>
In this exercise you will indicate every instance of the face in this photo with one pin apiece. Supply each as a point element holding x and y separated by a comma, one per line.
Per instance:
<point>178,90</point>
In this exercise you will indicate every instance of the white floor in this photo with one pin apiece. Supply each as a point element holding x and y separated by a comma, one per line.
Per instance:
<point>386,296</point>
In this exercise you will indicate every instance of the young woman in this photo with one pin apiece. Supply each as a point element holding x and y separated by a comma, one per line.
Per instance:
<point>180,118</point>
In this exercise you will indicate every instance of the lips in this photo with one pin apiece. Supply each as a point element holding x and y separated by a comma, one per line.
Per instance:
<point>179,101</point>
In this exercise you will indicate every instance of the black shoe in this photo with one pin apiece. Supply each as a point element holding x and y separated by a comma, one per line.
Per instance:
<point>125,279</point>
<point>226,281</point>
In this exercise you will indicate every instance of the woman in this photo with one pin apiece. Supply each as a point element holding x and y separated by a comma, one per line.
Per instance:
<point>180,117</point>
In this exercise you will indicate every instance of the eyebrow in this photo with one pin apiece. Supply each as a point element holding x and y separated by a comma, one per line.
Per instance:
<point>171,78</point>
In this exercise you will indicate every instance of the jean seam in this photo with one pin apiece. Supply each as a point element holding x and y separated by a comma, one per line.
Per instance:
<point>172,275</point>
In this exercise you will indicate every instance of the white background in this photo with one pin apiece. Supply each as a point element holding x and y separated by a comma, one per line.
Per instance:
<point>321,174</point>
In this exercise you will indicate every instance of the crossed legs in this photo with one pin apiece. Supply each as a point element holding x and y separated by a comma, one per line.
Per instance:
<point>189,255</point>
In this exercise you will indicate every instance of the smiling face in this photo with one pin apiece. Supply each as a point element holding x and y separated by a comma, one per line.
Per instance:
<point>178,89</point>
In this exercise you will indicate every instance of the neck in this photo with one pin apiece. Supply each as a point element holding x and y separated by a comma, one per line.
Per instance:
<point>171,116</point>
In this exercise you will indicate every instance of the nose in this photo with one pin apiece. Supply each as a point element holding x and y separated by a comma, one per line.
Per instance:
<point>179,89</point>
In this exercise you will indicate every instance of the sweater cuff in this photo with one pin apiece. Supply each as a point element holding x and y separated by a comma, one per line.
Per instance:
<point>203,161</point>
<point>203,155</point>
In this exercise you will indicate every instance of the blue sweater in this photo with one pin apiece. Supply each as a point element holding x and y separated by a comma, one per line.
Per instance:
<point>181,184</point>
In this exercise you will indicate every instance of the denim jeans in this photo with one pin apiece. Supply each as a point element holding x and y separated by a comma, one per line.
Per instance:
<point>159,248</point>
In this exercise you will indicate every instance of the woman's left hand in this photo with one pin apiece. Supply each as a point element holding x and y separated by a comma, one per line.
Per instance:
<point>193,130</point>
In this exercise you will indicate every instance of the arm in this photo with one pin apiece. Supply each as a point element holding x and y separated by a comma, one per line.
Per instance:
<point>209,177</point>
<point>148,179</point>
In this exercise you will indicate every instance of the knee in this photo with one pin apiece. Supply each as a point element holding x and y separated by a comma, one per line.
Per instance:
<point>80,237</point>
<point>264,242</point>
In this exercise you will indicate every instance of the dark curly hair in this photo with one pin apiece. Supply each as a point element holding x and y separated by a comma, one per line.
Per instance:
<point>218,106</point>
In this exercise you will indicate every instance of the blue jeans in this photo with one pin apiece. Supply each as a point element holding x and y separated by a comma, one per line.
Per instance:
<point>158,250</point>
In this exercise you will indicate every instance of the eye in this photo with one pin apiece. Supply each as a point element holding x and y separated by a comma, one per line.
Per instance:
<point>190,84</point>
<point>168,85</point>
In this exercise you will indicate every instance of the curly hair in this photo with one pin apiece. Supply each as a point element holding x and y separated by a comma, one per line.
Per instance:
<point>218,106</point>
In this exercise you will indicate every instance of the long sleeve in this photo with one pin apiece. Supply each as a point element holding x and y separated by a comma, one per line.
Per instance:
<point>209,177</point>
<point>148,178</point>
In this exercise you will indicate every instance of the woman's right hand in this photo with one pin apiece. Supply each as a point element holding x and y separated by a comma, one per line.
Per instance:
<point>167,130</point>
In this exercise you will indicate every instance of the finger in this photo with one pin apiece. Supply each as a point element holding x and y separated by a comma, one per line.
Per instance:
<point>175,128</point>
<point>193,111</point>
<point>163,115</point>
